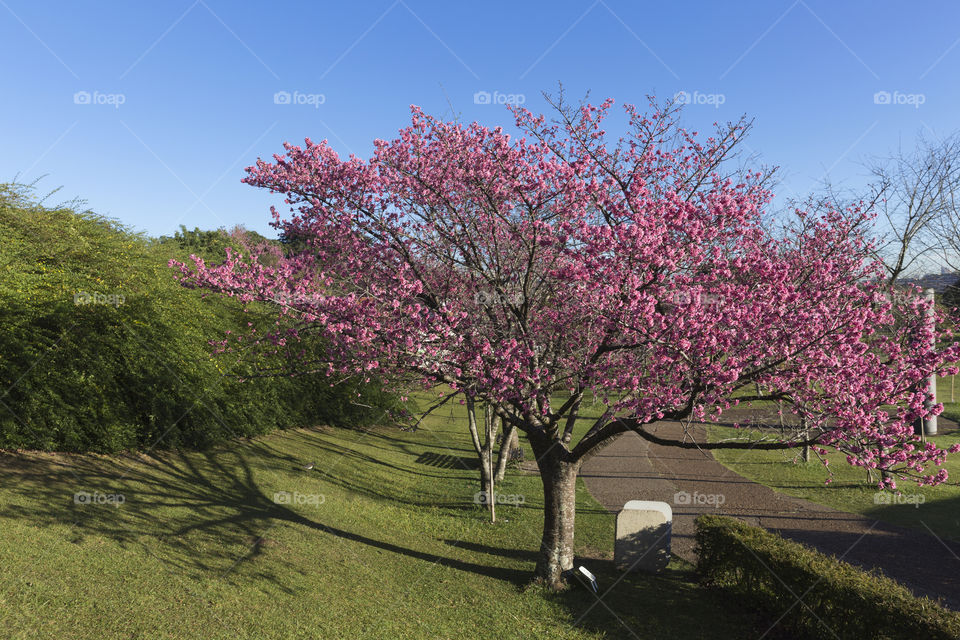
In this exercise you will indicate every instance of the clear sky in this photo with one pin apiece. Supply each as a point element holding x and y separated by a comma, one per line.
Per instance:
<point>150,111</point>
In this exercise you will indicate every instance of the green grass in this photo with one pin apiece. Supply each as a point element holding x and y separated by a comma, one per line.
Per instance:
<point>936,508</point>
<point>948,392</point>
<point>397,549</point>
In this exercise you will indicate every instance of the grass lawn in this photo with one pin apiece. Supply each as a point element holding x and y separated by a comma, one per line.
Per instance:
<point>933,508</point>
<point>380,540</point>
<point>948,392</point>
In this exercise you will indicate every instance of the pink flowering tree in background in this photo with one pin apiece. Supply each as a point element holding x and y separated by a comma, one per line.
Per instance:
<point>531,273</point>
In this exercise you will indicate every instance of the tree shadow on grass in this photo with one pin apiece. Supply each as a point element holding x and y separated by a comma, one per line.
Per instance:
<point>312,441</point>
<point>940,517</point>
<point>201,514</point>
<point>516,554</point>
<point>346,452</point>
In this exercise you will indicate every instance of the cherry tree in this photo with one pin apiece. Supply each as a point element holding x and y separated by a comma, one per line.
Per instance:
<point>533,273</point>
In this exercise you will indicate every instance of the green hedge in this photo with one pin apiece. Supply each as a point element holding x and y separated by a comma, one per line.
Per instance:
<point>771,573</point>
<point>102,350</point>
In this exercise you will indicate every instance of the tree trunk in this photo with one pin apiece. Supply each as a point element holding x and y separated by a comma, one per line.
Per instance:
<point>806,436</point>
<point>559,478</point>
<point>510,442</point>
<point>487,493</point>
<point>490,425</point>
<point>484,451</point>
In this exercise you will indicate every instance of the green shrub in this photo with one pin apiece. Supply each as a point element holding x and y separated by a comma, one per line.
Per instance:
<point>102,350</point>
<point>846,602</point>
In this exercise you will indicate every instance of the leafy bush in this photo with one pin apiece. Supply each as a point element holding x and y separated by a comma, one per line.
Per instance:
<point>102,350</point>
<point>846,602</point>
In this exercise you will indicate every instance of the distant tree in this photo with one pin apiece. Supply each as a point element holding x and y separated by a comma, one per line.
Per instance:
<point>915,193</point>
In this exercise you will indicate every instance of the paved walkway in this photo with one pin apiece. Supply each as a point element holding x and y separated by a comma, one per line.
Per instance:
<point>632,469</point>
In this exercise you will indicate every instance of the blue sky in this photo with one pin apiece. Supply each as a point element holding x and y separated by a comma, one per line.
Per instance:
<point>150,111</point>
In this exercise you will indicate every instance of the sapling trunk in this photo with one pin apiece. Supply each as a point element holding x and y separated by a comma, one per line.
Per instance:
<point>490,425</point>
<point>510,442</point>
